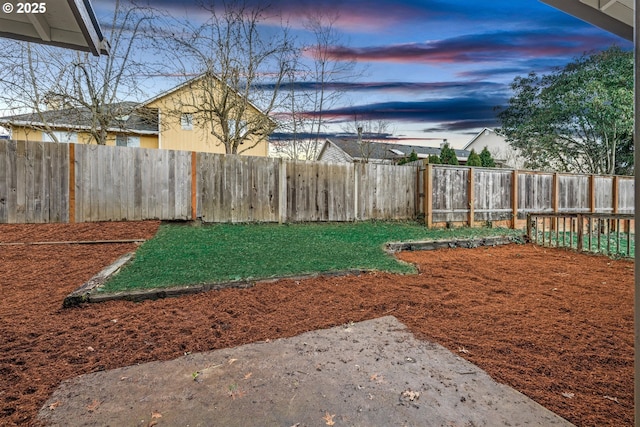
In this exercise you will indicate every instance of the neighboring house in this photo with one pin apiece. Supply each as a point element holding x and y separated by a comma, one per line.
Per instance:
<point>165,121</point>
<point>504,155</point>
<point>353,151</point>
<point>133,126</point>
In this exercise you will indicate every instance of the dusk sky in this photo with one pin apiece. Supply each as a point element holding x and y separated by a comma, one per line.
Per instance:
<point>437,69</point>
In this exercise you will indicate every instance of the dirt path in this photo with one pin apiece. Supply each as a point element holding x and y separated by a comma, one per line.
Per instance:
<point>556,325</point>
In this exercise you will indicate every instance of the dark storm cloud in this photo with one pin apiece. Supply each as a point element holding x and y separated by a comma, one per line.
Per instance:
<point>460,110</point>
<point>489,47</point>
<point>433,88</point>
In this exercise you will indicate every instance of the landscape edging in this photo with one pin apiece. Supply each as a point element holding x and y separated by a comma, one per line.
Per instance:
<point>86,293</point>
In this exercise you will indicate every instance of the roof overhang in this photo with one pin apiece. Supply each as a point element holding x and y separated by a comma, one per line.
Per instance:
<point>65,23</point>
<point>615,16</point>
<point>71,128</point>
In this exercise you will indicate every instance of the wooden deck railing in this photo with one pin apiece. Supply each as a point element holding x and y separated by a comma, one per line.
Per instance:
<point>610,234</point>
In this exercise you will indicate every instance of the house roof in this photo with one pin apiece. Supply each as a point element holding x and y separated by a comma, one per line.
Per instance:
<point>65,23</point>
<point>615,16</point>
<point>130,117</point>
<point>478,135</point>
<point>137,117</point>
<point>385,150</point>
<point>193,80</point>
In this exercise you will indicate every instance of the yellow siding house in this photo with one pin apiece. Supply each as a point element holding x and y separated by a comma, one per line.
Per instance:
<point>167,121</point>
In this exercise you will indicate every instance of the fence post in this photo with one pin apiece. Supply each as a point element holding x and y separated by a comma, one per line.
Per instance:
<point>428,195</point>
<point>514,198</point>
<point>282,192</point>
<point>471,197</point>
<point>72,183</point>
<point>554,200</point>
<point>417,198</point>
<point>194,185</point>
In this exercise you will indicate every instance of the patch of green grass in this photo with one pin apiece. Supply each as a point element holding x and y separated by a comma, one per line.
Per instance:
<point>182,254</point>
<point>609,244</point>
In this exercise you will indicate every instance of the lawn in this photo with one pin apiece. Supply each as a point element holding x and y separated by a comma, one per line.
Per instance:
<point>182,254</point>
<point>612,244</point>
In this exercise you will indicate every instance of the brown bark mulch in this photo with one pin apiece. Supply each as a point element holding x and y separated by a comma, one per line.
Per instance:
<point>556,325</point>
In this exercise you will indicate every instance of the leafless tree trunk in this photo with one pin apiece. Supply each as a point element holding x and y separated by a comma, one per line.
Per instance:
<point>370,133</point>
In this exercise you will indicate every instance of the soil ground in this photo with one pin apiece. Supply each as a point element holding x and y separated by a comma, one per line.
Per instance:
<point>555,325</point>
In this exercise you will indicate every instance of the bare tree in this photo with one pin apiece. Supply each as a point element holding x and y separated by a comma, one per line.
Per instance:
<point>314,87</point>
<point>86,91</point>
<point>370,134</point>
<point>241,72</point>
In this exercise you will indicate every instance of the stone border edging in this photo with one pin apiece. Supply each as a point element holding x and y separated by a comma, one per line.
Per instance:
<point>86,293</point>
<point>430,245</point>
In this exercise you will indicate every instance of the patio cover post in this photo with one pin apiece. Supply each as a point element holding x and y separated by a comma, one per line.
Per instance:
<point>636,142</point>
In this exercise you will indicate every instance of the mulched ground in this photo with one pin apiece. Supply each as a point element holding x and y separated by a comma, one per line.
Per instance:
<point>556,325</point>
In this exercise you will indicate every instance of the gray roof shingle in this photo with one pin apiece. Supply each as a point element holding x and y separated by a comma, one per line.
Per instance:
<point>383,150</point>
<point>128,116</point>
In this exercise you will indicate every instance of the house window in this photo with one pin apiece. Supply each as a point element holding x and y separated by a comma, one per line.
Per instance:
<point>186,121</point>
<point>60,136</point>
<point>127,141</point>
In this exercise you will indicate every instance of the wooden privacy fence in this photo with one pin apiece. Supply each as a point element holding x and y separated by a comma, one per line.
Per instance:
<point>472,195</point>
<point>47,182</point>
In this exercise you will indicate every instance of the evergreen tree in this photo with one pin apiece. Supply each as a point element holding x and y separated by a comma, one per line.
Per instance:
<point>486,159</point>
<point>412,158</point>
<point>434,160</point>
<point>474,159</point>
<point>448,155</point>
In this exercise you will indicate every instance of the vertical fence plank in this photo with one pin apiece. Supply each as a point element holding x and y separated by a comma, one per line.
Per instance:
<point>282,191</point>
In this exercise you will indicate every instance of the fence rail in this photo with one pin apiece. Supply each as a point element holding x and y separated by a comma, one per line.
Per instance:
<point>48,182</point>
<point>610,234</point>
<point>471,195</point>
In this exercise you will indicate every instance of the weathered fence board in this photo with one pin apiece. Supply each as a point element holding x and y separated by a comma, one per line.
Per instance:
<point>535,193</point>
<point>626,192</point>
<point>33,182</point>
<point>573,193</point>
<point>603,194</point>
<point>319,191</point>
<point>450,194</point>
<point>386,191</point>
<point>237,189</point>
<point>38,184</point>
<point>492,189</point>
<point>119,183</point>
